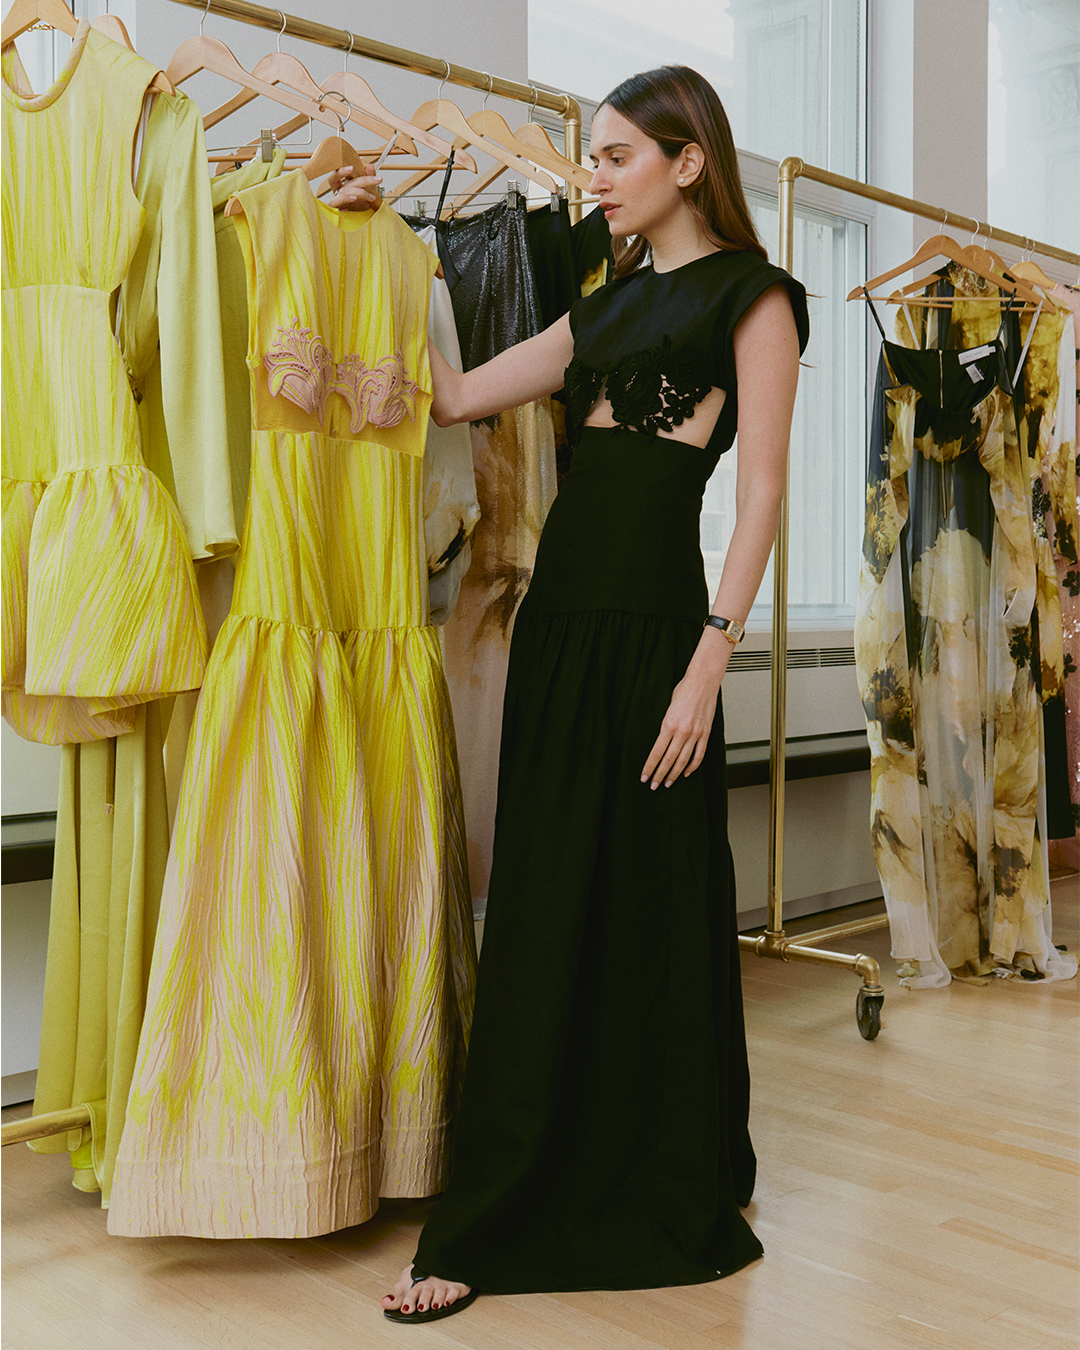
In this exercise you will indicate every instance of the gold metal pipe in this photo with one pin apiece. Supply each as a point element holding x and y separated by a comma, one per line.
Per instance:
<point>843,930</point>
<point>796,168</point>
<point>778,710</point>
<point>41,1127</point>
<point>780,948</point>
<point>572,150</point>
<point>342,40</point>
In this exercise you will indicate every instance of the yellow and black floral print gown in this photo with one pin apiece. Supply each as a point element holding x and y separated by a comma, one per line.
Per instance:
<point>951,656</point>
<point>312,979</point>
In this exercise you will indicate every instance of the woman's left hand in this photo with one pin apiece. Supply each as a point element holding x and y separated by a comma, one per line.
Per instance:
<point>684,732</point>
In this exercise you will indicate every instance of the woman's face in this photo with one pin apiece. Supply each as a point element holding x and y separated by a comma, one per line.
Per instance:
<point>637,184</point>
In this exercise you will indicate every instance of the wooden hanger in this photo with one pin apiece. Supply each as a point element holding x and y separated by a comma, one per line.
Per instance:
<point>282,68</point>
<point>442,113</point>
<point>1029,270</point>
<point>24,14</point>
<point>209,53</point>
<point>975,259</point>
<point>361,99</point>
<point>986,263</point>
<point>533,134</point>
<point>493,126</point>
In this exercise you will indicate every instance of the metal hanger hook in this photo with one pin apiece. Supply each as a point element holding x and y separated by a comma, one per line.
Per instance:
<point>978,231</point>
<point>284,21</point>
<point>536,96</point>
<point>202,18</point>
<point>442,82</point>
<point>352,43</point>
<point>491,84</point>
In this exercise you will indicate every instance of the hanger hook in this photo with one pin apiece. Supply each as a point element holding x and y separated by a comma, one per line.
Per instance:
<point>975,235</point>
<point>446,76</point>
<point>284,21</point>
<point>536,95</point>
<point>491,83</point>
<point>352,42</point>
<point>202,18</point>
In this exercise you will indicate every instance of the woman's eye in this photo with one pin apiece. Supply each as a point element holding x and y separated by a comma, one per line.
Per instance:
<point>616,159</point>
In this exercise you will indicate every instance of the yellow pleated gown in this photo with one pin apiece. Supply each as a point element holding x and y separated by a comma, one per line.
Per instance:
<point>101,611</point>
<point>312,980</point>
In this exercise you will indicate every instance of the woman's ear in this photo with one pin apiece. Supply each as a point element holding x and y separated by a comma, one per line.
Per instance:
<point>691,164</point>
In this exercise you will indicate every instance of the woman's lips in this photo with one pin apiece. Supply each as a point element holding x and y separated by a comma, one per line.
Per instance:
<point>608,208</point>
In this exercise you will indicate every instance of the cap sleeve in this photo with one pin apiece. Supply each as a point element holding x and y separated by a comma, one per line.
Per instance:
<point>758,277</point>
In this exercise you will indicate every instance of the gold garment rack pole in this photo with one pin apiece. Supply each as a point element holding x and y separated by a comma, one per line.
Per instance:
<point>774,942</point>
<point>342,40</point>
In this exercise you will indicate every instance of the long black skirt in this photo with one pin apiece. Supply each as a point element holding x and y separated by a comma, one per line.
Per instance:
<point>602,1137</point>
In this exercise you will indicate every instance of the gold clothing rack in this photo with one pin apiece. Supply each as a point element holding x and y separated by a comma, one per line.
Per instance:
<point>774,942</point>
<point>277,22</point>
<point>353,44</point>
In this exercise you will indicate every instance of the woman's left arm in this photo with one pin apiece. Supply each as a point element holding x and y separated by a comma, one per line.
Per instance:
<point>767,371</point>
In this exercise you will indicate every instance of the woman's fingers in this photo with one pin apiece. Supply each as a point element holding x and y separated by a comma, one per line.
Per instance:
<point>354,194</point>
<point>699,754</point>
<point>671,756</point>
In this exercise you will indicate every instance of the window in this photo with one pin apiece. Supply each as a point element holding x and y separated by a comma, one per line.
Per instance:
<point>828,438</point>
<point>790,72</point>
<point>1033,119</point>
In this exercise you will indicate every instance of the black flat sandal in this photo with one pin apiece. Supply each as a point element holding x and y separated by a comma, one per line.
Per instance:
<point>431,1314</point>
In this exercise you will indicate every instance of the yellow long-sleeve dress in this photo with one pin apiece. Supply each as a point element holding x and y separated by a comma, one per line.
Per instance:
<point>114,412</point>
<point>101,611</point>
<point>312,980</point>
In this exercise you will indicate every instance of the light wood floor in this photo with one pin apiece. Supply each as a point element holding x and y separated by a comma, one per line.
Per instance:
<point>916,1191</point>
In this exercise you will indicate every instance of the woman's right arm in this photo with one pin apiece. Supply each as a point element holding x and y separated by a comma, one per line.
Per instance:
<point>518,375</point>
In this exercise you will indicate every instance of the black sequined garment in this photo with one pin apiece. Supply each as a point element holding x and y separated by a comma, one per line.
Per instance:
<point>489,272</point>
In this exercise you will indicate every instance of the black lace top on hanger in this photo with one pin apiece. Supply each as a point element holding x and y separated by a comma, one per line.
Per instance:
<point>659,341</point>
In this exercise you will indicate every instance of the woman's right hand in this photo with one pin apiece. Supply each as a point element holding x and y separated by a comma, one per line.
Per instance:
<point>353,193</point>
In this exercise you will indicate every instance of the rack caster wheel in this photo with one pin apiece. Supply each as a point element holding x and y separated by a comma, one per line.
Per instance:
<point>868,1013</point>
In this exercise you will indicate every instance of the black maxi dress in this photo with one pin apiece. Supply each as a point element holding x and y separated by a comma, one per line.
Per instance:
<point>602,1138</point>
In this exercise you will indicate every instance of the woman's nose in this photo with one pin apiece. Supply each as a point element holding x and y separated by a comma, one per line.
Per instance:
<point>598,183</point>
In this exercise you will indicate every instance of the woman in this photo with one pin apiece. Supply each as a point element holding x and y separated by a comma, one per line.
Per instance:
<point>602,1139</point>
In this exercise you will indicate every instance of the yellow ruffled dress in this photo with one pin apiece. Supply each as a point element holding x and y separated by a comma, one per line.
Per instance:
<point>312,980</point>
<point>101,611</point>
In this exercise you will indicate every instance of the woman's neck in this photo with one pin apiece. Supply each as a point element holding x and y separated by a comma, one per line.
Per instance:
<point>678,242</point>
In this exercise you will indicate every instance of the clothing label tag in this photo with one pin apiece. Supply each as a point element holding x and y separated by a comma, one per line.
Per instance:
<point>975,353</point>
<point>975,373</point>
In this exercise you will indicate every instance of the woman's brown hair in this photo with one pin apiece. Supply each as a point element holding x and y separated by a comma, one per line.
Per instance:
<point>675,106</point>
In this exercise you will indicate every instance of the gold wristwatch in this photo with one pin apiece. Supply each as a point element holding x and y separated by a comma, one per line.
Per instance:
<point>732,629</point>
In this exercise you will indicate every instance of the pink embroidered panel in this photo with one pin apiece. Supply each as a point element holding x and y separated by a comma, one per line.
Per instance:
<point>301,369</point>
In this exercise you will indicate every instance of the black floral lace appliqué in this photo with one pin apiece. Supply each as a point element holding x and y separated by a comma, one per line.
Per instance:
<point>649,391</point>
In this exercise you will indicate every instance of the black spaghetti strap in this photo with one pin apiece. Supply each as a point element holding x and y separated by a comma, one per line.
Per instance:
<point>445,185</point>
<point>1004,315</point>
<point>873,311</point>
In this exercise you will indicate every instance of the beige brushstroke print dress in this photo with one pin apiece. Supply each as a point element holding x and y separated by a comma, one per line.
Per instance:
<point>949,671</point>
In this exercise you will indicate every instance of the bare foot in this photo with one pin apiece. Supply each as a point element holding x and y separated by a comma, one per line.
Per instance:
<point>430,1293</point>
